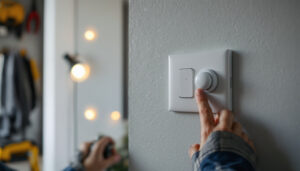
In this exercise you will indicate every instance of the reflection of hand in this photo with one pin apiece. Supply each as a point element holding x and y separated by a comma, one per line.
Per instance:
<point>95,160</point>
<point>223,121</point>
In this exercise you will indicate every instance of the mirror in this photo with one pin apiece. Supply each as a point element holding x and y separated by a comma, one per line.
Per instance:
<point>81,51</point>
<point>99,100</point>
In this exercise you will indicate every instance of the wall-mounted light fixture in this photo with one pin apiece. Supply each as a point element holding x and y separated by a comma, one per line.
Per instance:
<point>80,71</point>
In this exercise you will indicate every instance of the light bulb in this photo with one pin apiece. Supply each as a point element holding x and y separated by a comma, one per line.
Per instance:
<point>115,115</point>
<point>89,35</point>
<point>80,72</point>
<point>90,114</point>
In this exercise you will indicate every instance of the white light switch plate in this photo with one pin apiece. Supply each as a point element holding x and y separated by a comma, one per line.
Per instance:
<point>185,64</point>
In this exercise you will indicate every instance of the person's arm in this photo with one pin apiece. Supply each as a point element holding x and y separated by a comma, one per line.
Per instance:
<point>224,145</point>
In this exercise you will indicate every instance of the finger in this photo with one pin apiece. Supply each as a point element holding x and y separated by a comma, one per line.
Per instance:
<point>226,120</point>
<point>112,160</point>
<point>252,145</point>
<point>245,136</point>
<point>206,115</point>
<point>101,145</point>
<point>217,118</point>
<point>237,128</point>
<point>193,149</point>
<point>84,148</point>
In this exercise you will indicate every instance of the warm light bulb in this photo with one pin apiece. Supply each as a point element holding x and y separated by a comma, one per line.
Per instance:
<point>90,35</point>
<point>80,72</point>
<point>115,115</point>
<point>90,114</point>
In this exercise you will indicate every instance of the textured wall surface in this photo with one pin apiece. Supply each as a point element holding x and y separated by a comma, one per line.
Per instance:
<point>265,37</point>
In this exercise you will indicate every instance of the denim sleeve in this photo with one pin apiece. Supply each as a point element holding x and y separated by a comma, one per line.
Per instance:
<point>69,168</point>
<point>225,151</point>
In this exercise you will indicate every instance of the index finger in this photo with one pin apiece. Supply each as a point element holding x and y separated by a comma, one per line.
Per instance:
<point>205,112</point>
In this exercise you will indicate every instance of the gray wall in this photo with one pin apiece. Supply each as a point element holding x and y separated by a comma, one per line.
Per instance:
<point>265,37</point>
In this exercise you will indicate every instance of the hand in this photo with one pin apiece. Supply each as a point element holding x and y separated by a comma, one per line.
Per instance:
<point>223,121</point>
<point>95,161</point>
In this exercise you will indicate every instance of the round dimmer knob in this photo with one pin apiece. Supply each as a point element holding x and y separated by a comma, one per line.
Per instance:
<point>206,79</point>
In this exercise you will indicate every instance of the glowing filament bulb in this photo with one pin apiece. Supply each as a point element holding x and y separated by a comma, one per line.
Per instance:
<point>115,115</point>
<point>90,114</point>
<point>80,72</point>
<point>89,35</point>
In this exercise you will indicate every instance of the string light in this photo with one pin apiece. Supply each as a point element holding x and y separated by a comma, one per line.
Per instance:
<point>80,72</point>
<point>89,35</point>
<point>90,114</point>
<point>115,115</point>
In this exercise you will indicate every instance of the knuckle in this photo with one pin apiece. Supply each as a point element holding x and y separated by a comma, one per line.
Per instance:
<point>204,110</point>
<point>226,112</point>
<point>224,128</point>
<point>227,115</point>
<point>205,133</point>
<point>192,146</point>
<point>84,145</point>
<point>96,145</point>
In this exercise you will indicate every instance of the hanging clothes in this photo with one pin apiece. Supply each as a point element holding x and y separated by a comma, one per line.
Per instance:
<point>4,119</point>
<point>30,79</point>
<point>23,93</point>
<point>34,70</point>
<point>3,122</point>
<point>8,86</point>
<point>8,95</point>
<point>2,58</point>
<point>4,70</point>
<point>18,94</point>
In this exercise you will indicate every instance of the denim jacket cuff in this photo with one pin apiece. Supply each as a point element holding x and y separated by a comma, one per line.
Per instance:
<point>227,142</point>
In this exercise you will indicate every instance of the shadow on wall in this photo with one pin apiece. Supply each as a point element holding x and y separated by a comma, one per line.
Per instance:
<point>268,151</point>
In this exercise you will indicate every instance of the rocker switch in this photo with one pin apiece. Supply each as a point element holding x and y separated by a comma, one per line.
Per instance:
<point>186,83</point>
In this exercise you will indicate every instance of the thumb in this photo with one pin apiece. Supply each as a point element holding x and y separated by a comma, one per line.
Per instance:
<point>193,149</point>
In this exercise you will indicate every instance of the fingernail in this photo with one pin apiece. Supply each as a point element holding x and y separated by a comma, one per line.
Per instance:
<point>199,91</point>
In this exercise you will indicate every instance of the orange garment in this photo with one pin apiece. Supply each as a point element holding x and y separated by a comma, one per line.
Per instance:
<point>34,70</point>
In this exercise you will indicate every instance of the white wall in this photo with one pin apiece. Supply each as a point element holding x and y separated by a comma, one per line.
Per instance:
<point>59,39</point>
<point>265,37</point>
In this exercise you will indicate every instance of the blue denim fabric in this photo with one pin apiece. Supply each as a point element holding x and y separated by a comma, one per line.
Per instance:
<point>69,168</point>
<point>224,151</point>
<point>225,161</point>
